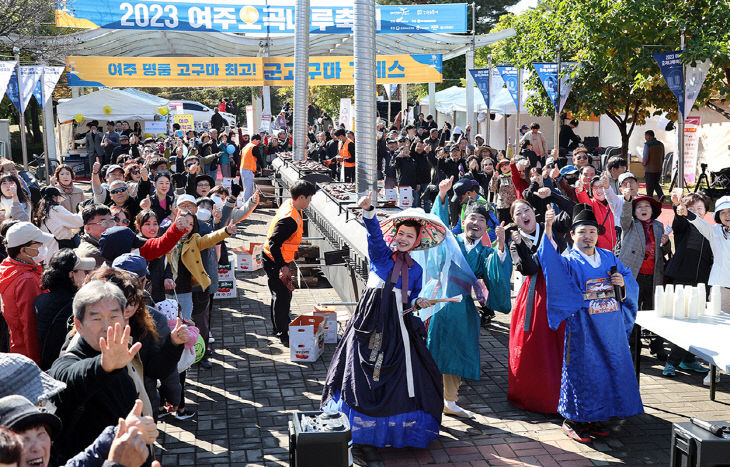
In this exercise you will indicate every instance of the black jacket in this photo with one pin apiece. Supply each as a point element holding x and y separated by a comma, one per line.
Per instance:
<point>693,258</point>
<point>93,399</point>
<point>52,312</point>
<point>423,168</point>
<point>541,204</point>
<point>405,170</point>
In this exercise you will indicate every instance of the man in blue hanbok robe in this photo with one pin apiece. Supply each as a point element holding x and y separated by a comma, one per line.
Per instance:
<point>453,332</point>
<point>596,296</point>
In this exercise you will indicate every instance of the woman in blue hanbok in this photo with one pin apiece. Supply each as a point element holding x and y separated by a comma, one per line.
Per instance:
<point>381,374</point>
<point>596,296</point>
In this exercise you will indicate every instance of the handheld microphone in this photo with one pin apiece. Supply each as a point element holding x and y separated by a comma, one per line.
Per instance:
<point>717,430</point>
<point>616,288</point>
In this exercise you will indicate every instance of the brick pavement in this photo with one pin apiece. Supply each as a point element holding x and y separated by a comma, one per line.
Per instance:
<point>244,401</point>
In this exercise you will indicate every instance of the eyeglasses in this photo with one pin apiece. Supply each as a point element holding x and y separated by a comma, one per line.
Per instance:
<point>121,221</point>
<point>134,172</point>
<point>116,191</point>
<point>203,184</point>
<point>582,157</point>
<point>105,223</point>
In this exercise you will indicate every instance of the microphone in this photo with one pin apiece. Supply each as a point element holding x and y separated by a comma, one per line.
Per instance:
<point>717,430</point>
<point>616,288</point>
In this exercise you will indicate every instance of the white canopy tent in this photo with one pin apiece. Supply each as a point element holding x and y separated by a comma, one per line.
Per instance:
<point>125,105</point>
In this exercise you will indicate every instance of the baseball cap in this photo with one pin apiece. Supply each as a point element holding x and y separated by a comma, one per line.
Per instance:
<point>624,176</point>
<point>85,264</point>
<point>461,187</point>
<point>568,170</point>
<point>132,263</point>
<point>25,232</point>
<point>118,240</point>
<point>185,199</point>
<point>112,168</point>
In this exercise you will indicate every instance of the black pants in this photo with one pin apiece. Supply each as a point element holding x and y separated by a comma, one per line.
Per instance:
<point>652,185</point>
<point>280,299</point>
<point>349,174</point>
<point>201,313</point>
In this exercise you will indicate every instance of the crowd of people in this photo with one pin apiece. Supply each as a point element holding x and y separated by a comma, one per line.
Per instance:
<point>106,294</point>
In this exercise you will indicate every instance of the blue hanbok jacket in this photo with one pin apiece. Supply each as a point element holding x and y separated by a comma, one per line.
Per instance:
<point>598,380</point>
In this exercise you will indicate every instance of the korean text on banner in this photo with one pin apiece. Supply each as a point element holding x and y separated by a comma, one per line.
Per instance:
<point>548,74</point>
<point>20,93</point>
<point>256,16</point>
<point>481,79</point>
<point>243,71</point>
<point>691,146</point>
<point>671,68</point>
<point>185,121</point>
<point>510,78</point>
<point>47,83</point>
<point>155,127</point>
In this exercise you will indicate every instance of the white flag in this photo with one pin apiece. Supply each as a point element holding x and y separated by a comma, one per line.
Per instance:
<point>566,82</point>
<point>20,90</point>
<point>51,75</point>
<point>6,71</point>
<point>695,76</point>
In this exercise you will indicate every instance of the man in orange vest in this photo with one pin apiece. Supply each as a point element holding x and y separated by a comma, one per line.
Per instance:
<point>282,243</point>
<point>347,153</point>
<point>248,166</point>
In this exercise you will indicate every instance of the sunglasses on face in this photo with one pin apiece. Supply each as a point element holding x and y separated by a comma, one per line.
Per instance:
<point>121,221</point>
<point>116,191</point>
<point>134,172</point>
<point>190,166</point>
<point>582,157</point>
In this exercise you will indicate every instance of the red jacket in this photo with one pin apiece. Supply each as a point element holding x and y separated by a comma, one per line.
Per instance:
<point>20,284</point>
<point>604,216</point>
<point>155,248</point>
<point>520,183</point>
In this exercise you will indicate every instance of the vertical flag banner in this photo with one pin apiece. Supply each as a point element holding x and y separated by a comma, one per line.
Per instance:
<point>510,78</point>
<point>38,93</point>
<point>671,68</point>
<point>481,79</point>
<point>51,75</point>
<point>20,95</point>
<point>693,83</point>
<point>548,74</point>
<point>6,71</point>
<point>691,146</point>
<point>566,81</point>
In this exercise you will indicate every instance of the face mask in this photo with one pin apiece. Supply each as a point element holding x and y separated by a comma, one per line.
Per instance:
<point>41,256</point>
<point>204,214</point>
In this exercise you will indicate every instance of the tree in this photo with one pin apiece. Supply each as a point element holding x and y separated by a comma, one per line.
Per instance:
<point>613,42</point>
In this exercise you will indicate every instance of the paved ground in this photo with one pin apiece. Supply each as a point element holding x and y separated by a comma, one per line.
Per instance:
<point>245,400</point>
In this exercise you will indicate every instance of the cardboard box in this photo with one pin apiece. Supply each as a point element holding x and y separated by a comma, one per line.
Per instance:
<point>306,338</point>
<point>330,322</point>
<point>249,256</point>
<point>391,195</point>
<point>405,197</point>
<point>227,280</point>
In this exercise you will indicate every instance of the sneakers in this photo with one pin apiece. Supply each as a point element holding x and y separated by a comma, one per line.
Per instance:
<point>450,408</point>
<point>205,363</point>
<point>695,366</point>
<point>577,431</point>
<point>182,414</point>
<point>669,370</point>
<point>211,339</point>
<point>706,381</point>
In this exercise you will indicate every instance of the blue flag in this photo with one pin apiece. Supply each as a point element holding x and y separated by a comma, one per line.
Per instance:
<point>481,79</point>
<point>511,80</point>
<point>671,68</point>
<point>548,73</point>
<point>38,93</point>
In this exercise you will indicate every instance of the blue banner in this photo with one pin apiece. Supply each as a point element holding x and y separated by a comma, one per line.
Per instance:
<point>257,16</point>
<point>511,80</point>
<point>671,68</point>
<point>481,79</point>
<point>548,73</point>
<point>38,93</point>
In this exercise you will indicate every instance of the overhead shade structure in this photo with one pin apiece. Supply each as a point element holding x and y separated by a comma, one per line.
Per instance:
<point>130,43</point>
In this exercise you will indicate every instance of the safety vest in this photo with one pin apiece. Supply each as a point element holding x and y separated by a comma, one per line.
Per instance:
<point>291,245</point>
<point>347,159</point>
<point>249,159</point>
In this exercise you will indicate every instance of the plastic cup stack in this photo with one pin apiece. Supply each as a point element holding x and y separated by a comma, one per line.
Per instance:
<point>659,300</point>
<point>669,301</point>
<point>701,299</point>
<point>678,308</point>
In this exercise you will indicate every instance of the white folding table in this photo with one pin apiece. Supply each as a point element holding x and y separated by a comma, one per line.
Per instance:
<point>707,337</point>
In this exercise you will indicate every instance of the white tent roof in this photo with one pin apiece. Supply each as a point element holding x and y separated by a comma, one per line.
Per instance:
<point>453,99</point>
<point>124,106</point>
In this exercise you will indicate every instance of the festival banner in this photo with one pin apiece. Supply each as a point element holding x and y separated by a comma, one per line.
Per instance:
<point>693,80</point>
<point>566,81</point>
<point>21,92</point>
<point>254,16</point>
<point>671,68</point>
<point>243,71</point>
<point>6,71</point>
<point>548,74</point>
<point>49,79</point>
<point>510,77</point>
<point>481,79</point>
<point>185,121</point>
<point>691,147</point>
